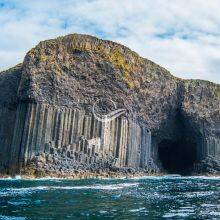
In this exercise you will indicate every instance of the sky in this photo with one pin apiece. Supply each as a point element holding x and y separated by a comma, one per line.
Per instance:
<point>181,35</point>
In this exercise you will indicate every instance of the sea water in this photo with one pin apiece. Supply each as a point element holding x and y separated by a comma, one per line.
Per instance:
<point>166,197</point>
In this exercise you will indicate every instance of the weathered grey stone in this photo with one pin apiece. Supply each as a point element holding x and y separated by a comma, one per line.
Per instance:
<point>68,154</point>
<point>41,159</point>
<point>47,148</point>
<point>52,150</point>
<point>49,159</point>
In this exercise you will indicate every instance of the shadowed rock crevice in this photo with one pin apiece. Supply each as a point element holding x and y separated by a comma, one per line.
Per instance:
<point>179,153</point>
<point>177,156</point>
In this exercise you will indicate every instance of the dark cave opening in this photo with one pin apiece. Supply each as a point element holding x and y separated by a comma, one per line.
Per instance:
<point>177,157</point>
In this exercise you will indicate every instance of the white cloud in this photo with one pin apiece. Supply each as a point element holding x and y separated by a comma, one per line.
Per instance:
<point>183,36</point>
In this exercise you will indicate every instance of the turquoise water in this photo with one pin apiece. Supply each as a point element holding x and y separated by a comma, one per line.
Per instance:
<point>168,197</point>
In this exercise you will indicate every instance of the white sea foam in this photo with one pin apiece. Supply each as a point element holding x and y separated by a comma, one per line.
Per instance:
<point>175,176</point>
<point>137,210</point>
<point>198,194</point>
<point>99,186</point>
<point>30,190</point>
<point>171,176</point>
<point>21,191</point>
<point>18,177</point>
<point>4,217</point>
<point>202,177</point>
<point>113,178</point>
<point>156,177</point>
<point>6,178</point>
<point>172,215</point>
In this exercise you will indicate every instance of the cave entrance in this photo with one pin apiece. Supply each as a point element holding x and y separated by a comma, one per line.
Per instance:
<point>177,157</point>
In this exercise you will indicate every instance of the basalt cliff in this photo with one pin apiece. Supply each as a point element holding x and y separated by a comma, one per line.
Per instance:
<point>47,121</point>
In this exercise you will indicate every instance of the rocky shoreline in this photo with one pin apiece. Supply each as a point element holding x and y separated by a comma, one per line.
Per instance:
<point>62,163</point>
<point>95,175</point>
<point>87,175</point>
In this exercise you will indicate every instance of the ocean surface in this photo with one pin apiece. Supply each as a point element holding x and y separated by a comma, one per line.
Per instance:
<point>166,197</point>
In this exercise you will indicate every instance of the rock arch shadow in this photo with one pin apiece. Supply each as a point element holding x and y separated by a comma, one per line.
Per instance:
<point>178,154</point>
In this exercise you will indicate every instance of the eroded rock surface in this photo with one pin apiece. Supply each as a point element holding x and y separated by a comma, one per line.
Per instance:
<point>49,99</point>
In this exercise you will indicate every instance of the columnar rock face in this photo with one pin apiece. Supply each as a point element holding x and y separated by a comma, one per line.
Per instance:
<point>38,125</point>
<point>9,82</point>
<point>46,106</point>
